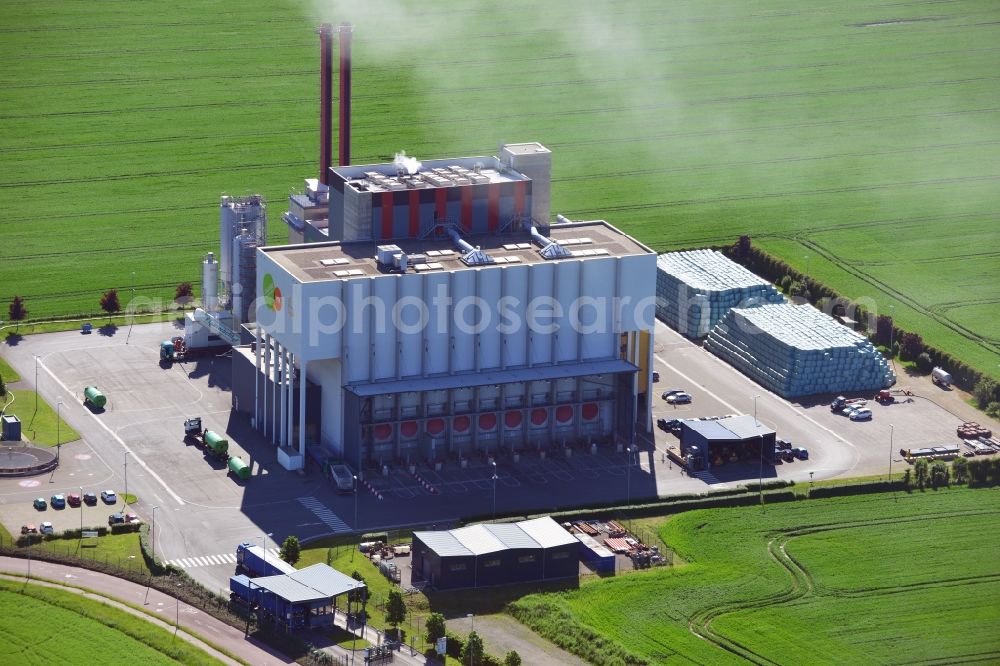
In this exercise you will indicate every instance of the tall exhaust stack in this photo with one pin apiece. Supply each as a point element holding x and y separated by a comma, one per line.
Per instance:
<point>325,101</point>
<point>345,31</point>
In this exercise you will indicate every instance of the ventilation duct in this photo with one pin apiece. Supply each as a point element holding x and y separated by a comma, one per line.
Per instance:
<point>471,256</point>
<point>550,248</point>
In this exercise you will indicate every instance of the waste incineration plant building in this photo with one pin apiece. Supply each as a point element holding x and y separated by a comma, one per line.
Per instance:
<point>495,554</point>
<point>438,316</point>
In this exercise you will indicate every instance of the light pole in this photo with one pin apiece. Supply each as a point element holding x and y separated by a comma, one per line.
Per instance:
<point>891,429</point>
<point>263,546</point>
<point>494,490</point>
<point>36,382</point>
<point>892,330</point>
<point>126,480</point>
<point>755,424</point>
<point>760,480</point>
<point>58,422</point>
<point>628,475</point>
<point>177,613</point>
<point>355,477</point>
<point>81,513</point>
<point>152,539</point>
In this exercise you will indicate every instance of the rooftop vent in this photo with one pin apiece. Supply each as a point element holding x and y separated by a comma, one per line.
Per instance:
<point>550,249</point>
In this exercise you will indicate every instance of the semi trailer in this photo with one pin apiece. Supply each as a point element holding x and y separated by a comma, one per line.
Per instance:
<point>252,560</point>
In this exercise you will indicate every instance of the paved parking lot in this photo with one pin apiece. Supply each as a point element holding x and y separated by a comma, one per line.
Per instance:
<point>203,513</point>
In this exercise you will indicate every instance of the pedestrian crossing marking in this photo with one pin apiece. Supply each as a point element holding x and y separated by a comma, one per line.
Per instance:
<point>321,511</point>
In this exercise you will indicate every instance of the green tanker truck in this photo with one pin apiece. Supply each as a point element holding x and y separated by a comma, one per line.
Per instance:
<point>94,396</point>
<point>216,443</point>
<point>240,469</point>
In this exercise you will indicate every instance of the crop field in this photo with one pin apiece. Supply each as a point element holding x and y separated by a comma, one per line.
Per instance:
<point>858,140</point>
<point>868,579</point>
<point>46,626</point>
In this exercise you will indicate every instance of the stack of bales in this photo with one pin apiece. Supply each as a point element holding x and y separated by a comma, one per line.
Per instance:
<point>695,289</point>
<point>796,350</point>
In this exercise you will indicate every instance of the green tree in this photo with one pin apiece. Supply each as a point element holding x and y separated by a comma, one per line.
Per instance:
<point>960,470</point>
<point>924,362</point>
<point>472,651</point>
<point>939,474</point>
<point>290,549</point>
<point>16,312</point>
<point>435,627</point>
<point>785,283</point>
<point>110,303</point>
<point>184,293</point>
<point>395,609</point>
<point>907,478</point>
<point>512,658</point>
<point>910,346</point>
<point>920,472</point>
<point>993,409</point>
<point>984,392</point>
<point>3,387</point>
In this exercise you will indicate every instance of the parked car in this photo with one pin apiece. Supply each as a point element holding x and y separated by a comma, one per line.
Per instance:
<point>863,414</point>
<point>58,502</point>
<point>90,498</point>
<point>782,444</point>
<point>656,376</point>
<point>109,497</point>
<point>116,518</point>
<point>662,425</point>
<point>132,518</point>
<point>46,528</point>
<point>847,411</point>
<point>787,455</point>
<point>73,499</point>
<point>667,394</point>
<point>40,504</point>
<point>679,399</point>
<point>29,529</point>
<point>674,425</point>
<point>801,453</point>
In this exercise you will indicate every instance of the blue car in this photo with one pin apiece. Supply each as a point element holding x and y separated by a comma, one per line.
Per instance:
<point>58,502</point>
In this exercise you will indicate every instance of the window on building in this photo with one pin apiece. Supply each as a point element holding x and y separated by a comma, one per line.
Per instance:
<point>526,559</point>
<point>458,566</point>
<point>560,556</point>
<point>492,563</point>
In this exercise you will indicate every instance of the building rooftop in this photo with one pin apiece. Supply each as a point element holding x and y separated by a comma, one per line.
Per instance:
<point>483,539</point>
<point>733,428</point>
<point>315,262</point>
<point>450,172</point>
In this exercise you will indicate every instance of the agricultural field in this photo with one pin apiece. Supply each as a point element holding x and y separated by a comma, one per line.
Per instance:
<point>46,626</point>
<point>868,579</point>
<point>859,140</point>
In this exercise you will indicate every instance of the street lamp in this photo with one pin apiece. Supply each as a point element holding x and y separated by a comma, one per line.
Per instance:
<point>628,475</point>
<point>355,477</point>
<point>58,422</point>
<point>126,480</point>
<point>81,512</point>
<point>891,429</point>
<point>263,545</point>
<point>494,490</point>
<point>760,480</point>
<point>152,540</point>
<point>36,382</point>
<point>177,613</point>
<point>755,424</point>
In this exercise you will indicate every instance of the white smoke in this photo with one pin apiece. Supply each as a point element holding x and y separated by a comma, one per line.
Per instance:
<point>404,161</point>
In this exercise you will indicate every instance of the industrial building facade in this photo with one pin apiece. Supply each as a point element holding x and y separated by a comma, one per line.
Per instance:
<point>498,554</point>
<point>431,336</point>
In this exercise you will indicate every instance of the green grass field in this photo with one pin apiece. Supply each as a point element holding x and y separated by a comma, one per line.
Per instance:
<point>8,373</point>
<point>858,140</point>
<point>47,626</point>
<point>870,579</point>
<point>40,426</point>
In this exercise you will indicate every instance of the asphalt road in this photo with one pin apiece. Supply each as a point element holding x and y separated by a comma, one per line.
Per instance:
<point>203,513</point>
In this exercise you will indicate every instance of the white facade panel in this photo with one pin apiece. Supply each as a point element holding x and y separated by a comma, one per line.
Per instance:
<point>567,283</point>
<point>595,314</point>
<point>463,285</point>
<point>327,375</point>
<point>357,336</point>
<point>439,326</point>
<point>323,319</point>
<point>412,324</point>
<point>541,285</point>
<point>515,295</point>
<point>637,292</point>
<point>383,342</point>
<point>490,285</point>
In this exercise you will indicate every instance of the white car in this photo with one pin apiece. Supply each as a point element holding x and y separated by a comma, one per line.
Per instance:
<point>863,414</point>
<point>679,399</point>
<point>109,497</point>
<point>46,528</point>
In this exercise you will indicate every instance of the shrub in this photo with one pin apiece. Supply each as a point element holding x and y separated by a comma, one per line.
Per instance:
<point>960,470</point>
<point>110,303</point>
<point>290,549</point>
<point>435,627</point>
<point>924,362</point>
<point>785,283</point>
<point>993,409</point>
<point>184,293</point>
<point>939,474</point>
<point>16,311</point>
<point>985,392</point>
<point>910,346</point>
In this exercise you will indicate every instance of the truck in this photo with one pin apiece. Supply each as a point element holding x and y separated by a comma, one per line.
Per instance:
<point>212,441</point>
<point>204,333</point>
<point>341,475</point>
<point>253,561</point>
<point>942,378</point>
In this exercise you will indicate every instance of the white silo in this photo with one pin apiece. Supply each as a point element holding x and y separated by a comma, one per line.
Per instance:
<point>210,283</point>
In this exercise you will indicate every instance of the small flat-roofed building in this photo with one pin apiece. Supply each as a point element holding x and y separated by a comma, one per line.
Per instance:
<point>496,554</point>
<point>731,439</point>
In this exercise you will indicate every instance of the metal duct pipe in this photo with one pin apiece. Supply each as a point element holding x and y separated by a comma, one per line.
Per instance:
<point>325,101</point>
<point>345,93</point>
<point>550,248</point>
<point>538,237</point>
<point>460,242</point>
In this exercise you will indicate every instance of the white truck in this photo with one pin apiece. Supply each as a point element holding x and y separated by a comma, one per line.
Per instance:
<point>941,378</point>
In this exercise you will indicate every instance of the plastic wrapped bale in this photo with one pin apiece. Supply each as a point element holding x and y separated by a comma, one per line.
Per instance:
<point>695,289</point>
<point>796,350</point>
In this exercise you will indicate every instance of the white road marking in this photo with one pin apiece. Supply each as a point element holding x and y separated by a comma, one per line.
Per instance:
<point>111,432</point>
<point>321,511</point>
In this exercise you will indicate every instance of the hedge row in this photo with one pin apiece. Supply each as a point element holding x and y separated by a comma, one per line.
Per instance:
<point>774,269</point>
<point>856,489</point>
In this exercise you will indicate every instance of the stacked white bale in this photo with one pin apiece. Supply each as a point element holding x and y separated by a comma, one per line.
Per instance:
<point>796,350</point>
<point>695,289</point>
